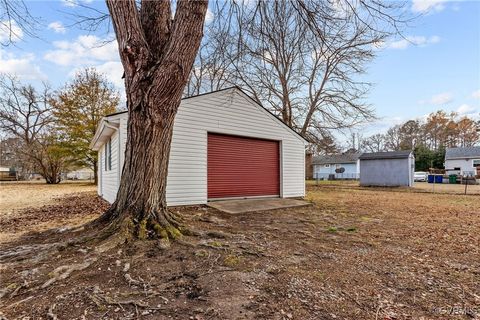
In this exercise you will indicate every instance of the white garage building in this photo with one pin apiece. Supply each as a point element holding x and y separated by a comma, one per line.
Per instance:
<point>225,145</point>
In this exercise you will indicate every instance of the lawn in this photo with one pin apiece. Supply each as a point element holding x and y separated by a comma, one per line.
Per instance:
<point>355,253</point>
<point>21,203</point>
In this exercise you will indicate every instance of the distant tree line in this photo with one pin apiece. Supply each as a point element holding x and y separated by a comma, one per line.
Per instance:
<point>428,138</point>
<point>48,132</point>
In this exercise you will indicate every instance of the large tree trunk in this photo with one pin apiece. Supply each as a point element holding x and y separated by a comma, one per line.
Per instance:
<point>95,172</point>
<point>157,54</point>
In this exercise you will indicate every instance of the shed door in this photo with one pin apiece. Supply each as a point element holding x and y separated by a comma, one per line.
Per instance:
<point>242,167</point>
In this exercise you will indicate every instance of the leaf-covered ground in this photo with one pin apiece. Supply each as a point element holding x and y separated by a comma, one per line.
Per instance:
<point>354,254</point>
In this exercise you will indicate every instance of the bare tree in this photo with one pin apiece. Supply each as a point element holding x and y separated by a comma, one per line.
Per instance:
<point>303,58</point>
<point>374,143</point>
<point>468,132</point>
<point>211,71</point>
<point>26,115</point>
<point>393,138</point>
<point>158,51</point>
<point>15,21</point>
<point>440,130</point>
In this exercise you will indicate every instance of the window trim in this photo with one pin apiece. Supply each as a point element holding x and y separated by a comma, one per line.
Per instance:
<point>108,155</point>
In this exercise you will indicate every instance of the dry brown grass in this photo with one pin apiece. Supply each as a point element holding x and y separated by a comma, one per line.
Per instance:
<point>19,195</point>
<point>356,253</point>
<point>24,207</point>
<point>447,188</point>
<point>417,186</point>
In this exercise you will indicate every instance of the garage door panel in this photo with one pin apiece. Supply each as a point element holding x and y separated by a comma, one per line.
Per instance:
<point>242,167</point>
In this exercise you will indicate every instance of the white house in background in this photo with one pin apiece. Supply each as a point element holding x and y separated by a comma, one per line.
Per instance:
<point>463,161</point>
<point>326,165</point>
<point>224,145</point>
<point>81,174</point>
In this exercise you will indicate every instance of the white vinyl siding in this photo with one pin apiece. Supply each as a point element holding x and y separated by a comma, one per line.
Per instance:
<point>466,165</point>
<point>109,184</point>
<point>226,112</point>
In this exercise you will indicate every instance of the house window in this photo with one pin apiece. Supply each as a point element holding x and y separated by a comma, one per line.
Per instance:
<point>476,163</point>
<point>327,166</point>
<point>108,155</point>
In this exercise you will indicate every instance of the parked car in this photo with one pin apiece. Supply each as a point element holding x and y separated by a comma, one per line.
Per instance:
<point>420,176</point>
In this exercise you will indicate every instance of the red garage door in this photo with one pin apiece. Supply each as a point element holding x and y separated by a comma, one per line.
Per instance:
<point>242,167</point>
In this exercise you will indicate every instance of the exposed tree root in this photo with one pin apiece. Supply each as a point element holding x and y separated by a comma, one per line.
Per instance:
<point>64,272</point>
<point>128,225</point>
<point>20,253</point>
<point>102,236</point>
<point>50,314</point>
<point>100,300</point>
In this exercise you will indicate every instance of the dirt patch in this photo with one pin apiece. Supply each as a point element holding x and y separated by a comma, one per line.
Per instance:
<point>354,254</point>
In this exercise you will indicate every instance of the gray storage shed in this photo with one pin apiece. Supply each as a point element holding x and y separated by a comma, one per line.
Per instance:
<point>392,169</point>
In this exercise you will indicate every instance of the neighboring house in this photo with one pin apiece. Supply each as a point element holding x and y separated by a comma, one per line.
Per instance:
<point>81,174</point>
<point>324,166</point>
<point>463,161</point>
<point>7,174</point>
<point>224,145</point>
<point>391,169</point>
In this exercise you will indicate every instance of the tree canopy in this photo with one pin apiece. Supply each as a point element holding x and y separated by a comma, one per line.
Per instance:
<point>78,108</point>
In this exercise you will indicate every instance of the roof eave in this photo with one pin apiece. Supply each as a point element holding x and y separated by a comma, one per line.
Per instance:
<point>463,158</point>
<point>105,130</point>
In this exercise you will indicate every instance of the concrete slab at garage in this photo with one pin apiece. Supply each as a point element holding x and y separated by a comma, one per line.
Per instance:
<point>252,205</point>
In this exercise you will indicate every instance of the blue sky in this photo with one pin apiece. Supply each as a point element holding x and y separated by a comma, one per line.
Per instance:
<point>441,72</point>
<point>438,68</point>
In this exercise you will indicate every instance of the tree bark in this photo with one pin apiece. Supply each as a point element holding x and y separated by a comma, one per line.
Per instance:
<point>157,55</point>
<point>95,172</point>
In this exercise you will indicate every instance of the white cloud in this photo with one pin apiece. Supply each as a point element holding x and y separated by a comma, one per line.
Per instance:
<point>57,27</point>
<point>465,110</point>
<point>420,41</point>
<point>83,50</point>
<point>75,3</point>
<point>89,51</point>
<point>424,6</point>
<point>476,94</point>
<point>10,31</point>
<point>438,99</point>
<point>113,71</point>
<point>441,99</point>
<point>209,16</point>
<point>23,67</point>
<point>382,124</point>
<point>70,3</point>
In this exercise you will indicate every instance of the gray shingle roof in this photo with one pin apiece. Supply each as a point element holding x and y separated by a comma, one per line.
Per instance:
<point>462,153</point>
<point>336,158</point>
<point>386,155</point>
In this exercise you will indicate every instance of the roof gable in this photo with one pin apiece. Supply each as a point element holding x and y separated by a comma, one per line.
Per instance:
<point>240,91</point>
<point>236,91</point>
